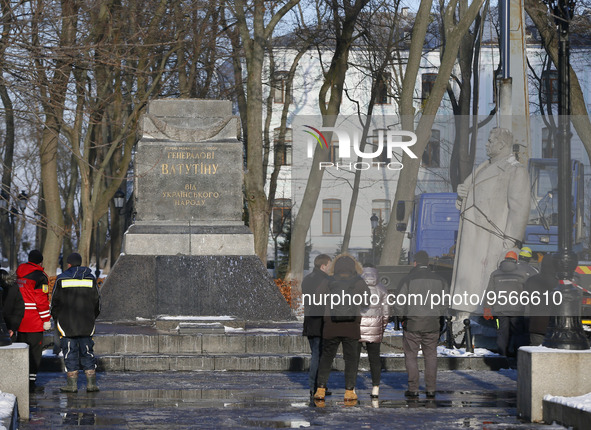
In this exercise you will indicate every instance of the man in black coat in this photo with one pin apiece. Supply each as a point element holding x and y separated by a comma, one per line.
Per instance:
<point>75,304</point>
<point>13,306</point>
<point>505,286</point>
<point>536,286</point>
<point>314,315</point>
<point>420,322</point>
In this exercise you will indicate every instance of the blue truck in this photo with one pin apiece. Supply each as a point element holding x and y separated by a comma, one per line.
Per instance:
<point>435,219</point>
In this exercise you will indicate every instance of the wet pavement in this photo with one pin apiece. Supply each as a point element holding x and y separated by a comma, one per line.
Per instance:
<point>219,399</point>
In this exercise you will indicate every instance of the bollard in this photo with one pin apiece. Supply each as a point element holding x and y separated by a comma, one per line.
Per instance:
<point>449,339</point>
<point>468,335</point>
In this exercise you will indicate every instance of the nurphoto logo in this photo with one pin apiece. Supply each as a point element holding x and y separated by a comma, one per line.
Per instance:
<point>348,143</point>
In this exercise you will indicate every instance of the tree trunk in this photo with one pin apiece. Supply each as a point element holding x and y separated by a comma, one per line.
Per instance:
<point>5,229</point>
<point>51,197</point>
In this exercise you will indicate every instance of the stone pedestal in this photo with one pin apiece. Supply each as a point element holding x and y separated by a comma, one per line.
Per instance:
<point>14,374</point>
<point>544,371</point>
<point>189,252</point>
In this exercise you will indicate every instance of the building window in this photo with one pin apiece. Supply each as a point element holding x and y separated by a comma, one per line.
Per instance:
<point>427,82</point>
<point>431,155</point>
<point>383,89</point>
<point>334,152</point>
<point>280,86</point>
<point>284,151</point>
<point>381,208</point>
<point>331,216</point>
<point>547,143</point>
<point>281,216</point>
<point>549,86</point>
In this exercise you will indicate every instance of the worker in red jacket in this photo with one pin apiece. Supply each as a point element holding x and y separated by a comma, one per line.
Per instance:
<point>33,285</point>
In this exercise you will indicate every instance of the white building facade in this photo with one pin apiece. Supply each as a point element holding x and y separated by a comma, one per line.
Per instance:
<point>378,185</point>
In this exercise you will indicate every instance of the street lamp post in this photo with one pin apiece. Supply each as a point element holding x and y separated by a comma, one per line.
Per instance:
<point>374,225</point>
<point>97,250</point>
<point>13,212</point>
<point>119,200</point>
<point>565,330</point>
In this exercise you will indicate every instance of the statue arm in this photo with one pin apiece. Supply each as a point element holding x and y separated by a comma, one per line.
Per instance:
<point>464,188</point>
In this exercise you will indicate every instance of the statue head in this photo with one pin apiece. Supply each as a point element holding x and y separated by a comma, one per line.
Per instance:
<point>500,142</point>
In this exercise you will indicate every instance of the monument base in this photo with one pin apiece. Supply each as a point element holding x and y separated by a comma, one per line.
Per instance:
<point>146,286</point>
<point>229,239</point>
<point>544,371</point>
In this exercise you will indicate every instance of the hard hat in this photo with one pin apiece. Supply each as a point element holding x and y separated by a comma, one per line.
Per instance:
<point>525,252</point>
<point>511,254</point>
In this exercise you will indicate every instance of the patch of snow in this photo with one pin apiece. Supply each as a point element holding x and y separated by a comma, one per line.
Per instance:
<point>230,329</point>
<point>445,352</point>
<point>272,330</point>
<point>6,404</point>
<point>581,402</point>
<point>547,350</point>
<point>16,345</point>
<point>193,318</point>
<point>461,352</point>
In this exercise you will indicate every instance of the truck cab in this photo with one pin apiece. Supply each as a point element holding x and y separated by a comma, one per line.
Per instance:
<point>434,226</point>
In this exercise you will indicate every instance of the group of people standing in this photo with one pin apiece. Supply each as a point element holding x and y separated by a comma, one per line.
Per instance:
<point>519,324</point>
<point>328,327</point>
<point>74,306</point>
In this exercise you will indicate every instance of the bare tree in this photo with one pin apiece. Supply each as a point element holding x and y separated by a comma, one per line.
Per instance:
<point>543,20</point>
<point>255,27</point>
<point>455,31</point>
<point>344,21</point>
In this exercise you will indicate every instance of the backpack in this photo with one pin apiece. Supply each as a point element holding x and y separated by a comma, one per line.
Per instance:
<point>345,311</point>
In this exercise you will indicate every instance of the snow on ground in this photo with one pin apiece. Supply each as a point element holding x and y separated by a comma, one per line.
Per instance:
<point>445,352</point>
<point>581,402</point>
<point>195,318</point>
<point>6,404</point>
<point>541,348</point>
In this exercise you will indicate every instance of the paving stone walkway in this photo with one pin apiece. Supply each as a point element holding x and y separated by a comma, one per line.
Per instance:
<point>212,399</point>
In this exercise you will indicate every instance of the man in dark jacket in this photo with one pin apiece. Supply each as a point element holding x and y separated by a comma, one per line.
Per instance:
<point>314,315</point>
<point>13,306</point>
<point>341,323</point>
<point>539,284</point>
<point>507,283</point>
<point>34,287</point>
<point>420,322</point>
<point>74,306</point>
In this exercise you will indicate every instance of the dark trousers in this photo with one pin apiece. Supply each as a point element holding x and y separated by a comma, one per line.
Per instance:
<point>316,350</point>
<point>427,341</point>
<point>536,339</point>
<point>35,342</point>
<point>78,353</point>
<point>350,355</point>
<point>510,334</point>
<point>375,361</point>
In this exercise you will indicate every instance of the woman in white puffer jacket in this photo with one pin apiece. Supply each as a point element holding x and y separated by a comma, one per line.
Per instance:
<point>373,323</point>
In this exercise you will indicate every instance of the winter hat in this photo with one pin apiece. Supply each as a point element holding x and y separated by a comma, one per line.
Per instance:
<point>74,259</point>
<point>344,265</point>
<point>35,256</point>
<point>422,258</point>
